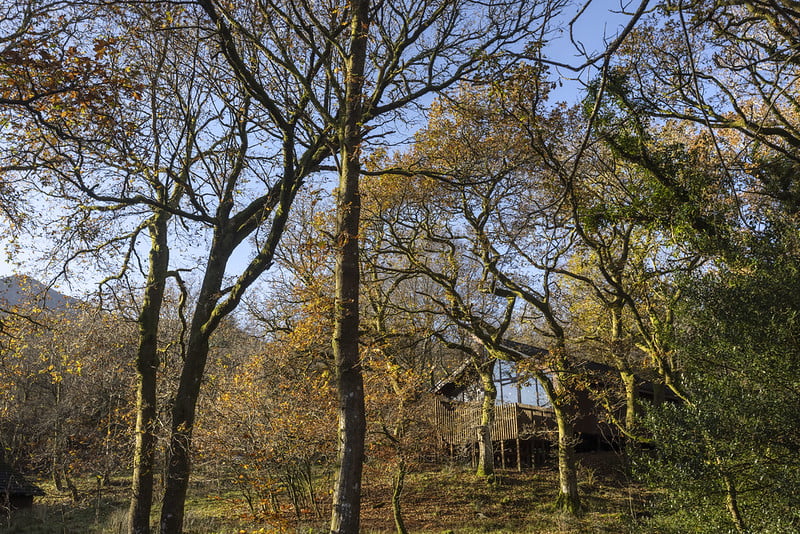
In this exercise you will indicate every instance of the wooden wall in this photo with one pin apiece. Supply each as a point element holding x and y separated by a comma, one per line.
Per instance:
<point>457,421</point>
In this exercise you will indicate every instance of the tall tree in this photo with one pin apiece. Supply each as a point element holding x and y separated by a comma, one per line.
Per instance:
<point>728,456</point>
<point>730,69</point>
<point>494,255</point>
<point>181,140</point>
<point>350,383</point>
<point>357,65</point>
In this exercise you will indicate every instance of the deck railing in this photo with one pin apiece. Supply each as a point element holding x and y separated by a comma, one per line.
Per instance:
<point>457,421</point>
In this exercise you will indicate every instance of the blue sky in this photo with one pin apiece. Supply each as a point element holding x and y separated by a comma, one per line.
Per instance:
<point>599,24</point>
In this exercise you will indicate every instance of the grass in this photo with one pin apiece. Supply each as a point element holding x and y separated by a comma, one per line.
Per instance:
<point>438,499</point>
<point>455,500</point>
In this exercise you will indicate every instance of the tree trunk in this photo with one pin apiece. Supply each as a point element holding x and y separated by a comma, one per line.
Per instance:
<point>627,376</point>
<point>398,482</point>
<point>185,403</point>
<point>486,454</point>
<point>56,454</point>
<point>629,382</point>
<point>732,503</point>
<point>180,444</point>
<point>346,513</point>
<point>146,368</point>
<point>568,499</point>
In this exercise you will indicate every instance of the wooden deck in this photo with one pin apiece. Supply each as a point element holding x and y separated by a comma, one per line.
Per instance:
<point>457,421</point>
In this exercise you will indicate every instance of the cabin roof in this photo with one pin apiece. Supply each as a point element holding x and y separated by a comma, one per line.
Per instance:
<point>465,374</point>
<point>13,483</point>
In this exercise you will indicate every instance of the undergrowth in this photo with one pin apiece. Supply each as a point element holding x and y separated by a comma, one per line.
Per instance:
<point>438,499</point>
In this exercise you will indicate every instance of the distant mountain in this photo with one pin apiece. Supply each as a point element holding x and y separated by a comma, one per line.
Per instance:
<point>25,292</point>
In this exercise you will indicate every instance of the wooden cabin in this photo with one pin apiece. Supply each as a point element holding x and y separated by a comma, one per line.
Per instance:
<point>521,433</point>
<point>524,427</point>
<point>15,491</point>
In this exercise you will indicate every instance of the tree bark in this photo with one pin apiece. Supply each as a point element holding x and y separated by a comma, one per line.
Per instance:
<point>629,382</point>
<point>486,454</point>
<point>185,403</point>
<point>568,499</point>
<point>346,513</point>
<point>627,376</point>
<point>564,409</point>
<point>146,369</point>
<point>398,481</point>
<point>732,503</point>
<point>183,418</point>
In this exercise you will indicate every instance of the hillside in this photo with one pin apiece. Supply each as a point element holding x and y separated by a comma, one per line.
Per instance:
<point>21,291</point>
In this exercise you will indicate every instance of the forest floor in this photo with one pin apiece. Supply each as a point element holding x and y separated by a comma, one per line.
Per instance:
<point>437,499</point>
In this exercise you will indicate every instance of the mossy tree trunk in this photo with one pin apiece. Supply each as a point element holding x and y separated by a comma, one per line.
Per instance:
<point>556,387</point>
<point>214,304</point>
<point>398,482</point>
<point>620,358</point>
<point>631,404</point>
<point>568,498</point>
<point>146,369</point>
<point>484,431</point>
<point>732,503</point>
<point>185,402</point>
